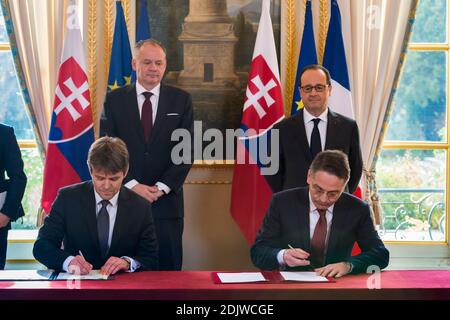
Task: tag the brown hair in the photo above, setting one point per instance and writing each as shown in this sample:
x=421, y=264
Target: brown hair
x=334, y=162
x=315, y=67
x=109, y=155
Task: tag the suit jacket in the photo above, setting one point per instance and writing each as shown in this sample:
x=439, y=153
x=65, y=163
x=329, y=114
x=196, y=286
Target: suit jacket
x=295, y=156
x=73, y=221
x=151, y=162
x=12, y=164
x=287, y=222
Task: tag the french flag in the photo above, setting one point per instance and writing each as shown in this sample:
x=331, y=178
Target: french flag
x=334, y=60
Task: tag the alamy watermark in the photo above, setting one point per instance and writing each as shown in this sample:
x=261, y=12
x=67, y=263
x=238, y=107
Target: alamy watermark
x=255, y=146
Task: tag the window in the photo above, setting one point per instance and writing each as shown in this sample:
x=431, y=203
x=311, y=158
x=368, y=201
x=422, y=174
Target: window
x=412, y=170
x=13, y=113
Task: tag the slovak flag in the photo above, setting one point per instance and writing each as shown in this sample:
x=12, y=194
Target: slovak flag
x=71, y=131
x=263, y=107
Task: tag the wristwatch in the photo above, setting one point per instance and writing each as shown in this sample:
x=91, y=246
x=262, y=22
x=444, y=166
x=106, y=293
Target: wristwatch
x=160, y=189
x=350, y=266
x=129, y=262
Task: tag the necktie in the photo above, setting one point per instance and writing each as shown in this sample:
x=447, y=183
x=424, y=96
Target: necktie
x=316, y=144
x=318, y=239
x=147, y=115
x=103, y=227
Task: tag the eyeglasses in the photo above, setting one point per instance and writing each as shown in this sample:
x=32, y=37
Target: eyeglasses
x=331, y=195
x=318, y=88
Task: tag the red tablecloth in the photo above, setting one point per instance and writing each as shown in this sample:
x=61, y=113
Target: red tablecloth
x=187, y=285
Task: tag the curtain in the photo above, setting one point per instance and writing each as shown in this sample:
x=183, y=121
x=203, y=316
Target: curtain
x=37, y=28
x=376, y=34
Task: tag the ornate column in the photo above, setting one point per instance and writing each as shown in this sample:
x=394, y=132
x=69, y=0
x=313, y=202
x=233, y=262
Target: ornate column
x=208, y=44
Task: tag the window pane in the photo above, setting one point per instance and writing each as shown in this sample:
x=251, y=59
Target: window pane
x=419, y=110
x=431, y=22
x=411, y=185
x=32, y=198
x=3, y=34
x=12, y=109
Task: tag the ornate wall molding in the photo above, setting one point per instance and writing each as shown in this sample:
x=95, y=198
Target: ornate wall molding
x=92, y=58
x=290, y=51
x=323, y=14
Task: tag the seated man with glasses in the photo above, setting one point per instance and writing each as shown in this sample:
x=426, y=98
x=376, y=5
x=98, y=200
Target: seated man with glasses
x=314, y=128
x=315, y=227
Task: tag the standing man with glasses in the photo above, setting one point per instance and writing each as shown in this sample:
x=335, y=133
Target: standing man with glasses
x=316, y=227
x=144, y=115
x=315, y=128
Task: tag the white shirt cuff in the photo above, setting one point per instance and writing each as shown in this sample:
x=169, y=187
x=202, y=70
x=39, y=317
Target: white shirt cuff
x=134, y=264
x=130, y=184
x=66, y=263
x=280, y=257
x=163, y=187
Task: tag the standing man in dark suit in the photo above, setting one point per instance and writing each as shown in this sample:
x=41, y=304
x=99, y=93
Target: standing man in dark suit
x=12, y=189
x=101, y=224
x=144, y=116
x=313, y=129
x=315, y=227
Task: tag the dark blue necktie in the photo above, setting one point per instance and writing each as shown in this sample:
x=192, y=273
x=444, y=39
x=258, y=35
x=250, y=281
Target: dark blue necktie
x=316, y=144
x=103, y=227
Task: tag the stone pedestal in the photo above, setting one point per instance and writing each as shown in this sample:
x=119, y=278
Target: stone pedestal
x=208, y=46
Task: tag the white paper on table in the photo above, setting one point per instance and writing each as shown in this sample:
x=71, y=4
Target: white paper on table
x=305, y=276
x=240, y=277
x=92, y=275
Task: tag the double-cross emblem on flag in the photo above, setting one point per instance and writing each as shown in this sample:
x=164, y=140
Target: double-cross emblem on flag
x=70, y=95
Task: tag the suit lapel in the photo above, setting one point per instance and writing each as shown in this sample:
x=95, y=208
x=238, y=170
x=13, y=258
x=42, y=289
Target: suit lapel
x=160, y=113
x=88, y=209
x=121, y=217
x=332, y=131
x=300, y=135
x=134, y=112
x=302, y=213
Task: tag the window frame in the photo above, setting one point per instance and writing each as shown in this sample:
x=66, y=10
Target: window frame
x=434, y=253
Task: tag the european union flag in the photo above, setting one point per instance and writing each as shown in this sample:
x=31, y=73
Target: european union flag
x=307, y=56
x=120, y=64
x=143, y=29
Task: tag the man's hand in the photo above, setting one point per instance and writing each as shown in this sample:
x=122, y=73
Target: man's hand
x=296, y=257
x=4, y=220
x=79, y=266
x=151, y=193
x=114, y=265
x=336, y=270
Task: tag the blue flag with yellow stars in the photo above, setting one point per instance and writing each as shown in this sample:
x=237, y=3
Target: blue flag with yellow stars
x=307, y=56
x=143, y=29
x=120, y=64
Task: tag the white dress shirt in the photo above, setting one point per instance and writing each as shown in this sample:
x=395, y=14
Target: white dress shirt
x=112, y=213
x=154, y=99
x=313, y=219
x=309, y=126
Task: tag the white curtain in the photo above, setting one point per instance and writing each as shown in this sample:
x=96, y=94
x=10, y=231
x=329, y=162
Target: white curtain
x=38, y=28
x=374, y=34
